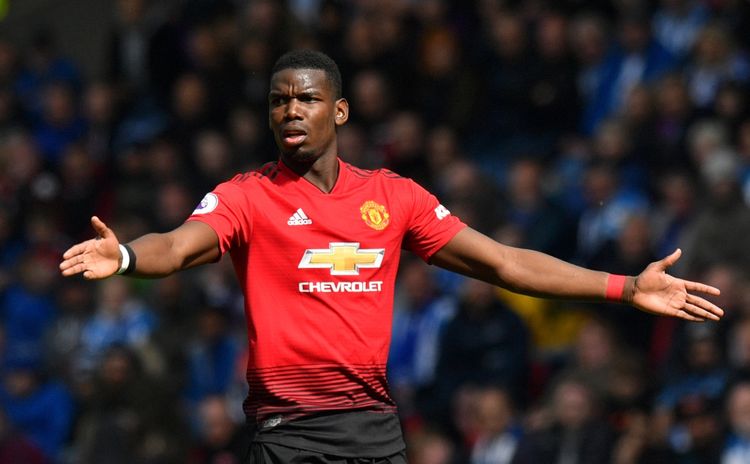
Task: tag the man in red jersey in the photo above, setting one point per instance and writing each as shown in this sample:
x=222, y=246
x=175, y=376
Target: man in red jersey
x=315, y=243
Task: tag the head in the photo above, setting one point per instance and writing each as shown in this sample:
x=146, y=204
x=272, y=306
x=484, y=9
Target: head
x=306, y=107
x=494, y=411
x=738, y=408
x=430, y=446
x=573, y=403
x=596, y=346
x=217, y=426
x=701, y=417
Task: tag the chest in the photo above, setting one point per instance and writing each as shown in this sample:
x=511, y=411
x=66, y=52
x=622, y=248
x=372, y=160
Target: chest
x=369, y=218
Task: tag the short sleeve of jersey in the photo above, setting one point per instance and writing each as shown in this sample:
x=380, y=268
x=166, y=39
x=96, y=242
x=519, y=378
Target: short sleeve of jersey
x=431, y=225
x=227, y=211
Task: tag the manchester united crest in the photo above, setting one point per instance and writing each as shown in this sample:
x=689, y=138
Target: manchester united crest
x=374, y=215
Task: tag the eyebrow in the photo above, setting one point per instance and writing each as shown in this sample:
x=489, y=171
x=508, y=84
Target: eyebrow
x=307, y=93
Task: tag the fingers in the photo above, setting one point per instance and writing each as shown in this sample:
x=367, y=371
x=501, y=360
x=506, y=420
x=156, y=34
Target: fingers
x=87, y=274
x=73, y=258
x=705, y=305
x=688, y=317
x=75, y=250
x=70, y=268
x=669, y=261
x=699, y=287
x=697, y=311
x=101, y=229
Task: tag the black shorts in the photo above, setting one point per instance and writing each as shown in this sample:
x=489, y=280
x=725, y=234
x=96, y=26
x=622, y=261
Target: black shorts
x=346, y=434
x=271, y=453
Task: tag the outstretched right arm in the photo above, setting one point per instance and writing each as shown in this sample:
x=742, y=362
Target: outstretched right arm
x=157, y=255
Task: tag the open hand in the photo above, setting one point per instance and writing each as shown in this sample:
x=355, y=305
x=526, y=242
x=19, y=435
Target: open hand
x=97, y=258
x=657, y=292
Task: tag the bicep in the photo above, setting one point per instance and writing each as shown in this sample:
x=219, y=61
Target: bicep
x=194, y=243
x=472, y=254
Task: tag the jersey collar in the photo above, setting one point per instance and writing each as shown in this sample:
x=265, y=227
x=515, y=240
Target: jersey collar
x=308, y=187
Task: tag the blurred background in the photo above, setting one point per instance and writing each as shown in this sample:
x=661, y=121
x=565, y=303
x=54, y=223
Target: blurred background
x=607, y=133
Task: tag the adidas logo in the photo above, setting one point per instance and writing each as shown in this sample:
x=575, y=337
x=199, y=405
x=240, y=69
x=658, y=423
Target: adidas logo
x=299, y=218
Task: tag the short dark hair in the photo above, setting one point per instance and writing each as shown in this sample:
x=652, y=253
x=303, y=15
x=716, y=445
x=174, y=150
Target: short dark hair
x=311, y=59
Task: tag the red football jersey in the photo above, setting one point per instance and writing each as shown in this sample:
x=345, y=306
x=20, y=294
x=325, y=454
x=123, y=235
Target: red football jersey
x=317, y=271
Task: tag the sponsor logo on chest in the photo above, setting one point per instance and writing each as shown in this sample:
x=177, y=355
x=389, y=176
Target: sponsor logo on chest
x=342, y=259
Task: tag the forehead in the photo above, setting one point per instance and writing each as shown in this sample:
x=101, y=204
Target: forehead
x=300, y=80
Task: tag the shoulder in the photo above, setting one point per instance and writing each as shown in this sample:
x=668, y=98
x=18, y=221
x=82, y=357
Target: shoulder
x=245, y=183
x=381, y=173
x=382, y=178
x=268, y=171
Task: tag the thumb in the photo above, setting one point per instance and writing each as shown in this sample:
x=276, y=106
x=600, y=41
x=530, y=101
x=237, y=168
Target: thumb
x=101, y=229
x=667, y=262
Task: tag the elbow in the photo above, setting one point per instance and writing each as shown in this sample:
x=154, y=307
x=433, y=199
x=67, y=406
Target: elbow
x=507, y=273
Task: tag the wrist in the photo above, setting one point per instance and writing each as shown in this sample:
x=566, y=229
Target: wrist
x=619, y=288
x=127, y=260
x=628, y=292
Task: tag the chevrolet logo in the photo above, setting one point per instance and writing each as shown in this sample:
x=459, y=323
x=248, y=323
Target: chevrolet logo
x=342, y=258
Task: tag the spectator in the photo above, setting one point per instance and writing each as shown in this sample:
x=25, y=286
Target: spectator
x=484, y=344
x=737, y=445
x=212, y=356
x=420, y=315
x=714, y=62
x=80, y=189
x=636, y=58
x=63, y=340
x=698, y=432
x=589, y=43
x=596, y=354
x=59, y=123
x=508, y=78
x=701, y=383
x=609, y=206
x=542, y=223
x=43, y=66
x=612, y=147
x=498, y=435
x=42, y=410
x=127, y=417
x=28, y=308
x=674, y=211
x=428, y=446
x=102, y=112
x=554, y=100
x=677, y=24
x=724, y=220
x=443, y=74
x=674, y=116
x=575, y=432
x=220, y=439
x=405, y=147
x=130, y=50
x=120, y=318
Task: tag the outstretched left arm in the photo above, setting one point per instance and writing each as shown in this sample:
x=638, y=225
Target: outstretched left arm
x=533, y=273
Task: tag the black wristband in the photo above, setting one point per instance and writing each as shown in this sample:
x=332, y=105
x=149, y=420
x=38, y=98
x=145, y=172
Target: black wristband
x=131, y=264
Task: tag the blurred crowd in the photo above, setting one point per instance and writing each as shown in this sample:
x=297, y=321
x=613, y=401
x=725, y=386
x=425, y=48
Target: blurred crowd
x=607, y=133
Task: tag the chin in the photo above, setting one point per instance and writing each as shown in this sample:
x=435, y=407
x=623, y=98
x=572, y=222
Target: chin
x=300, y=156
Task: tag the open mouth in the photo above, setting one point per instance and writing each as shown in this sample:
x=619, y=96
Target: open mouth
x=293, y=136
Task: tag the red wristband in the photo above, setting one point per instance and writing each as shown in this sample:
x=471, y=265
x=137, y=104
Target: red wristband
x=615, y=287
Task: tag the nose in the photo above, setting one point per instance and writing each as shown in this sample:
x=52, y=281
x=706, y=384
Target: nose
x=292, y=109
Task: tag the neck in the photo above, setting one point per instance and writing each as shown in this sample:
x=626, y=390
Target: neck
x=322, y=173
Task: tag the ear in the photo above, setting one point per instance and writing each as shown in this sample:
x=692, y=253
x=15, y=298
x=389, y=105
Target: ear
x=342, y=111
